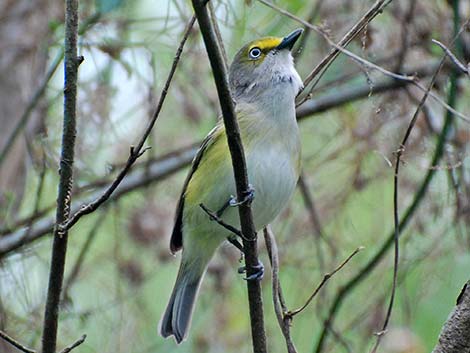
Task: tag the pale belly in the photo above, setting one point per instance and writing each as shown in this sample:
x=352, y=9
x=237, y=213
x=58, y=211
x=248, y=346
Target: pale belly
x=274, y=176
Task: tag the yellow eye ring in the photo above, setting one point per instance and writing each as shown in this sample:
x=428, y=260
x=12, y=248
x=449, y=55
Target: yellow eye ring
x=255, y=53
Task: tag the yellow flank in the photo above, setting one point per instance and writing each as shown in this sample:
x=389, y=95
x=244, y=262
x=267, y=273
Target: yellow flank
x=266, y=44
x=208, y=170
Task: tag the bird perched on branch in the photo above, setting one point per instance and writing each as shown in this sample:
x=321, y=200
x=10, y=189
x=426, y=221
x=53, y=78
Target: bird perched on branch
x=264, y=84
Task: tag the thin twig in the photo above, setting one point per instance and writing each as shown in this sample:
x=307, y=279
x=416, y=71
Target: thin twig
x=213, y=217
x=59, y=246
x=15, y=343
x=396, y=219
x=339, y=96
x=325, y=279
x=239, y=168
x=452, y=57
x=74, y=345
x=278, y=300
x=135, y=152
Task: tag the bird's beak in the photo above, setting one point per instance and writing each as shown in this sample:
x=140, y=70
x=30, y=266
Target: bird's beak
x=289, y=40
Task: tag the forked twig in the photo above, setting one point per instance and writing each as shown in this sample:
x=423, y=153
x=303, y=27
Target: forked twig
x=325, y=279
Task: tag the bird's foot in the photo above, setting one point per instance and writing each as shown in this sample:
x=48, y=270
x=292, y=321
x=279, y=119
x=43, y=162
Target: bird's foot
x=248, y=197
x=258, y=272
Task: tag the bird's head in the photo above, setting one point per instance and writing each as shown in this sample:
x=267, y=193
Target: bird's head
x=264, y=64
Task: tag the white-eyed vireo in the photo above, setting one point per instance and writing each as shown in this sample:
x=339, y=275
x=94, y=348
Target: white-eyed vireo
x=264, y=84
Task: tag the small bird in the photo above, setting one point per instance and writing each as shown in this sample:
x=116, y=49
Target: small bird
x=263, y=84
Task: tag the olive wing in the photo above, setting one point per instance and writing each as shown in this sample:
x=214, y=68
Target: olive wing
x=176, y=242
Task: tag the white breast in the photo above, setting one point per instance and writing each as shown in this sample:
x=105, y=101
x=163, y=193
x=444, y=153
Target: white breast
x=273, y=161
x=273, y=174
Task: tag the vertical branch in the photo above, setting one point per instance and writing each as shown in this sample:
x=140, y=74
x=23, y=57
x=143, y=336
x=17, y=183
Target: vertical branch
x=59, y=247
x=240, y=173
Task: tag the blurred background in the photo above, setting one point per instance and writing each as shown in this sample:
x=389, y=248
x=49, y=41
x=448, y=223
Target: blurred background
x=119, y=268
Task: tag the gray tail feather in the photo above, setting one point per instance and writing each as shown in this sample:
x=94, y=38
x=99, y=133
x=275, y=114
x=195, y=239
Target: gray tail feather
x=177, y=316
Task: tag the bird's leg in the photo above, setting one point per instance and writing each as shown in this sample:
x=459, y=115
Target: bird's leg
x=259, y=269
x=248, y=197
x=258, y=273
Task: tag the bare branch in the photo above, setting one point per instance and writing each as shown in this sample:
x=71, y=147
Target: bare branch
x=213, y=217
x=240, y=172
x=59, y=246
x=15, y=343
x=74, y=345
x=452, y=57
x=325, y=279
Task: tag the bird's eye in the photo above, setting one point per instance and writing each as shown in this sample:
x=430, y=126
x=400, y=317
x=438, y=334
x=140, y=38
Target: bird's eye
x=255, y=53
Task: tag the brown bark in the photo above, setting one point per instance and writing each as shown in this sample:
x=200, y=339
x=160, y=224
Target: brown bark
x=455, y=334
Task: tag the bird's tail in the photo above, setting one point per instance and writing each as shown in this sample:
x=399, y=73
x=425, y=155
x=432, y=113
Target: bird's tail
x=177, y=317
